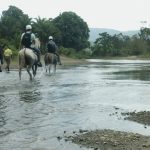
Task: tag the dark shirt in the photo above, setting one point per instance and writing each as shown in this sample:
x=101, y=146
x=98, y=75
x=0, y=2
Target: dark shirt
x=51, y=47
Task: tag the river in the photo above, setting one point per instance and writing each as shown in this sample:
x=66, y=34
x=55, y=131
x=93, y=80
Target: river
x=90, y=96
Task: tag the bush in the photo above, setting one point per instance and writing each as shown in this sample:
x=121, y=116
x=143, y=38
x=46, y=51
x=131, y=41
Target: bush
x=67, y=51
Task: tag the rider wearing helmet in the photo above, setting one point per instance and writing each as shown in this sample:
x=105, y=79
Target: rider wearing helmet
x=52, y=48
x=28, y=41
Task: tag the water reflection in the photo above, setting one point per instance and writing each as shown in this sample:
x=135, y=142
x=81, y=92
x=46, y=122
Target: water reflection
x=30, y=96
x=2, y=111
x=143, y=75
x=30, y=91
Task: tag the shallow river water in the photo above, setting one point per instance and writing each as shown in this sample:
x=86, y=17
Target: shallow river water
x=92, y=96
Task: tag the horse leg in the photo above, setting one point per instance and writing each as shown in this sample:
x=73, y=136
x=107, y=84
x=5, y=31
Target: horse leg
x=34, y=69
x=54, y=68
x=46, y=68
x=28, y=70
x=49, y=67
x=20, y=73
x=20, y=67
x=0, y=69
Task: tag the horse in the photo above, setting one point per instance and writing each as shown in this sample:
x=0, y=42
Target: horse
x=28, y=59
x=7, y=58
x=50, y=59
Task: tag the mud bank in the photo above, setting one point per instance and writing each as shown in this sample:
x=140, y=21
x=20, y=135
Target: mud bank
x=115, y=140
x=66, y=61
x=111, y=140
x=142, y=117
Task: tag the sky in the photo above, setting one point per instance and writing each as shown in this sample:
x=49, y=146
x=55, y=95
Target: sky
x=123, y=15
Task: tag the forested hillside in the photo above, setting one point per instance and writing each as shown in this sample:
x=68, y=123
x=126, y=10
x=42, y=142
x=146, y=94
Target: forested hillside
x=94, y=32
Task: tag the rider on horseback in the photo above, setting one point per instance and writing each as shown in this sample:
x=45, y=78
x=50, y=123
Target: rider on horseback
x=28, y=41
x=52, y=48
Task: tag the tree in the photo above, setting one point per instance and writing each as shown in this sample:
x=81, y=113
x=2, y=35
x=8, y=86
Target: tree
x=74, y=30
x=12, y=23
x=45, y=28
x=103, y=44
x=145, y=36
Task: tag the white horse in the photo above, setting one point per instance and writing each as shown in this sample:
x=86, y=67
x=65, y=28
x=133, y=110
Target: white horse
x=27, y=59
x=50, y=59
x=37, y=43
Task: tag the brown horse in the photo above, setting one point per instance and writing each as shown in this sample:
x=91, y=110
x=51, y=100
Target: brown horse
x=50, y=60
x=27, y=59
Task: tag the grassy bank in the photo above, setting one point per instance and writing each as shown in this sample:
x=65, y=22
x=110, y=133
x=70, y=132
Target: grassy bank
x=72, y=61
x=65, y=61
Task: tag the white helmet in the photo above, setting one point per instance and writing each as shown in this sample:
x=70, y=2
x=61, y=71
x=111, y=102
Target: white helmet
x=50, y=38
x=28, y=27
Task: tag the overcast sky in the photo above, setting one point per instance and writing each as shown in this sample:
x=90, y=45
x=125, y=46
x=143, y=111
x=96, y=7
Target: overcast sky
x=122, y=15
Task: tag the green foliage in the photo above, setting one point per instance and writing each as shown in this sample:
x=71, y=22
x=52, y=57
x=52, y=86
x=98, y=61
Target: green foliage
x=67, y=51
x=12, y=23
x=120, y=45
x=75, y=32
x=70, y=52
x=45, y=28
x=71, y=34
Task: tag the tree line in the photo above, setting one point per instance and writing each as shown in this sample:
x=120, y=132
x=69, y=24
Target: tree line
x=68, y=29
x=122, y=45
x=71, y=33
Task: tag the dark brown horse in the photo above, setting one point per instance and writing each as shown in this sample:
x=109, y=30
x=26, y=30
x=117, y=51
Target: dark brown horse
x=50, y=60
x=27, y=59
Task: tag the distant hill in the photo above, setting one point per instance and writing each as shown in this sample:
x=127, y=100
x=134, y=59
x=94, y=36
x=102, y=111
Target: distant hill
x=94, y=32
